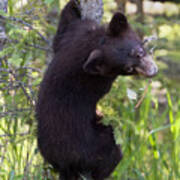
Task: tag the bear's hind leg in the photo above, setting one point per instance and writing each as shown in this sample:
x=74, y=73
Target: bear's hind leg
x=108, y=164
x=69, y=175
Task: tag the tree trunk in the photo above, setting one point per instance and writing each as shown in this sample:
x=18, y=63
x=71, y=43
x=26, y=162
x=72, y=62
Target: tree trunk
x=92, y=9
x=3, y=6
x=140, y=11
x=140, y=16
x=121, y=5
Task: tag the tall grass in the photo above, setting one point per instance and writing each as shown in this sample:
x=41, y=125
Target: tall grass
x=149, y=136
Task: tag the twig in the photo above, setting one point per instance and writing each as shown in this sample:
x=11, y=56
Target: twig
x=144, y=94
x=22, y=87
x=47, y=49
x=149, y=39
x=40, y=47
x=30, y=68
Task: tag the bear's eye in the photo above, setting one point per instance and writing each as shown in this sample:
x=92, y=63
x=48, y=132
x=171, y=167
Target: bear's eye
x=138, y=53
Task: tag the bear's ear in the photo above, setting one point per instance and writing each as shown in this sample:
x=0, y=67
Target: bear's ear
x=118, y=24
x=94, y=64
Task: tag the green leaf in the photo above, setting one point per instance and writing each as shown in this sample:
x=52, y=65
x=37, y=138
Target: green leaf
x=16, y=61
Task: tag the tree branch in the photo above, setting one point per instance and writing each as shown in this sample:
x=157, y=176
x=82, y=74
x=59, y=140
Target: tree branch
x=25, y=24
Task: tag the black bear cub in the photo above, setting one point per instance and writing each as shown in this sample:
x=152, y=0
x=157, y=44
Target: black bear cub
x=88, y=58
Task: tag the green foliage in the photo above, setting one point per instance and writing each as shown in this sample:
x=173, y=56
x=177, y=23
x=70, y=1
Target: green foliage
x=149, y=135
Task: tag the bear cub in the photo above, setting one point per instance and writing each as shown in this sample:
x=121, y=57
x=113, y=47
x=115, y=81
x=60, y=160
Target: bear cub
x=87, y=59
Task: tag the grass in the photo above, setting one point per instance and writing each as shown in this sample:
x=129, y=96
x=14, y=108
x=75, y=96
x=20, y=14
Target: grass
x=149, y=137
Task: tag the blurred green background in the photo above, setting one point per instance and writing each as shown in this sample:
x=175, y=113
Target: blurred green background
x=149, y=135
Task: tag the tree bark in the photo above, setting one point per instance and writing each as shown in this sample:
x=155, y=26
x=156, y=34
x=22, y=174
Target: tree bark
x=3, y=6
x=92, y=9
x=121, y=5
x=140, y=11
x=140, y=16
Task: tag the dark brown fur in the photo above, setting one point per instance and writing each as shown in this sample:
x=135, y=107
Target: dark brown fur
x=70, y=136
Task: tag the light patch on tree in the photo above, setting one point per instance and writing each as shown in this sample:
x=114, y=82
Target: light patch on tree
x=91, y=9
